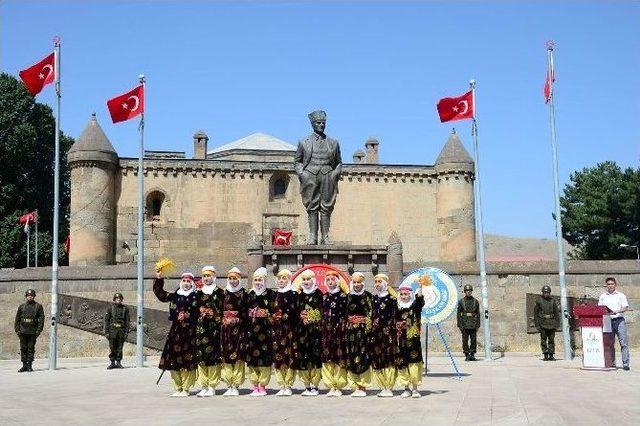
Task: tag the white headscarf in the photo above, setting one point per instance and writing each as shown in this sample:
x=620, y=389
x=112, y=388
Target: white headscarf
x=412, y=298
x=351, y=290
x=239, y=286
x=288, y=287
x=261, y=274
x=209, y=288
x=385, y=285
x=314, y=286
x=335, y=290
x=189, y=277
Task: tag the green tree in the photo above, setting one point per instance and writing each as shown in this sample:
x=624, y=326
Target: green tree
x=27, y=130
x=601, y=210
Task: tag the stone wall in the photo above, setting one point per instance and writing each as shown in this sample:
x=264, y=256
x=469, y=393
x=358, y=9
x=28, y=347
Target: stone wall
x=508, y=284
x=216, y=209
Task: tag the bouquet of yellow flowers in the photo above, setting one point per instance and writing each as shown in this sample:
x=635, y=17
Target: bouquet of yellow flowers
x=412, y=331
x=313, y=315
x=165, y=266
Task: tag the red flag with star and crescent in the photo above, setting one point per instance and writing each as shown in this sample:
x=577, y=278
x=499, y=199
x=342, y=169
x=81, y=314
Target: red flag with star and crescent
x=39, y=75
x=127, y=106
x=458, y=108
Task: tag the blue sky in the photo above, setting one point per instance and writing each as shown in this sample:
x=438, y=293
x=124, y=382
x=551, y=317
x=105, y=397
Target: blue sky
x=378, y=69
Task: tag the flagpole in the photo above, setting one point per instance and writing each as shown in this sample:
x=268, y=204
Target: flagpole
x=28, y=228
x=140, y=305
x=36, y=238
x=53, y=341
x=480, y=230
x=568, y=353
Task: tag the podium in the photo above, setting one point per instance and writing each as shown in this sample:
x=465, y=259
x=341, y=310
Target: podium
x=597, y=338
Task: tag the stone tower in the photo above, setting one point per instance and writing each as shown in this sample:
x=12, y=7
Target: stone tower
x=371, y=148
x=92, y=161
x=200, y=140
x=454, y=202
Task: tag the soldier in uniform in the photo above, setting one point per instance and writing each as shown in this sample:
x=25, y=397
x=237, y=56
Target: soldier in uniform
x=546, y=316
x=468, y=322
x=28, y=325
x=318, y=164
x=116, y=329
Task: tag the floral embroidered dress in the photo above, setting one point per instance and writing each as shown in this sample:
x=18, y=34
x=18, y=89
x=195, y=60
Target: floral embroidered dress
x=307, y=348
x=358, y=333
x=179, y=351
x=283, y=330
x=383, y=331
x=409, y=350
x=233, y=333
x=259, y=344
x=334, y=327
x=208, y=327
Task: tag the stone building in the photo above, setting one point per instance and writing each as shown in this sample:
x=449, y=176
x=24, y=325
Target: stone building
x=213, y=206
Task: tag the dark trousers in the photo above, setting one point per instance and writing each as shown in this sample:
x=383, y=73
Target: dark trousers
x=547, y=340
x=27, y=347
x=469, y=344
x=116, y=342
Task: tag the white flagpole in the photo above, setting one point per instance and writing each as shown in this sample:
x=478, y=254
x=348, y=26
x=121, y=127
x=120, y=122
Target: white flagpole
x=568, y=353
x=480, y=230
x=36, y=238
x=53, y=341
x=27, y=228
x=140, y=305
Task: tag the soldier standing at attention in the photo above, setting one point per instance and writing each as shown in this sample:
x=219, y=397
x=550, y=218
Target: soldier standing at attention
x=545, y=316
x=28, y=325
x=469, y=322
x=116, y=329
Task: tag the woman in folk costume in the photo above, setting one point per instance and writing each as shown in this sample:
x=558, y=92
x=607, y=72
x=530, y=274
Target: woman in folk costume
x=334, y=325
x=259, y=345
x=209, y=298
x=358, y=336
x=283, y=331
x=308, y=346
x=383, y=335
x=179, y=353
x=409, y=350
x=233, y=333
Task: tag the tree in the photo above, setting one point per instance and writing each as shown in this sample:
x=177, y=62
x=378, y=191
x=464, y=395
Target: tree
x=601, y=210
x=27, y=130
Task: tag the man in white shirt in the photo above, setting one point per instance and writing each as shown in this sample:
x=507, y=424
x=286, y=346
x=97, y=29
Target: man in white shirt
x=617, y=304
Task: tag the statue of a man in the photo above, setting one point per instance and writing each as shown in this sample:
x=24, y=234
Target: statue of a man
x=318, y=164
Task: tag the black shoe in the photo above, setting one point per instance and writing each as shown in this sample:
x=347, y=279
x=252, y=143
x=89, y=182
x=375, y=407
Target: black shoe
x=551, y=358
x=111, y=366
x=472, y=358
x=626, y=368
x=24, y=368
x=119, y=364
x=30, y=367
x=467, y=357
x=546, y=357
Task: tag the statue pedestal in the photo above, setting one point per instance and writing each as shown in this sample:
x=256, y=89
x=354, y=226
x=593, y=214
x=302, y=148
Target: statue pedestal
x=370, y=260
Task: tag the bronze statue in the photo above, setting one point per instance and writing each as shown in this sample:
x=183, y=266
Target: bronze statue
x=318, y=165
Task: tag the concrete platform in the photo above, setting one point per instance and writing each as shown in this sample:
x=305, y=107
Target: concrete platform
x=513, y=390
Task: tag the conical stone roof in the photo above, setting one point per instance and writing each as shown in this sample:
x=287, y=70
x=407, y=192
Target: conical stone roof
x=93, y=144
x=454, y=152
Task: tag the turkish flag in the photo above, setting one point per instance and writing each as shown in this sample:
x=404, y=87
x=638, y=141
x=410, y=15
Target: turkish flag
x=548, y=92
x=452, y=109
x=127, y=106
x=281, y=238
x=39, y=75
x=28, y=218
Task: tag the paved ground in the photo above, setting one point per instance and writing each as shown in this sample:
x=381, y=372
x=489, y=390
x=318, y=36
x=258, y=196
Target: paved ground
x=513, y=390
